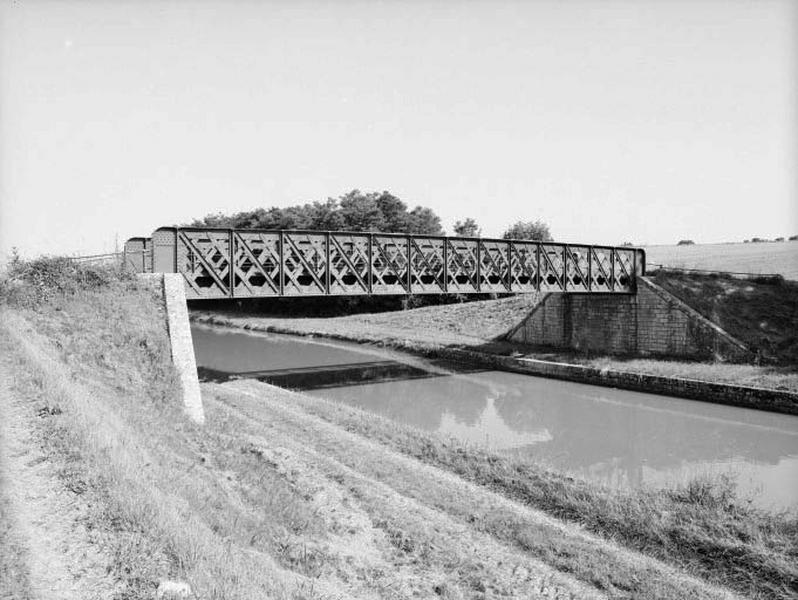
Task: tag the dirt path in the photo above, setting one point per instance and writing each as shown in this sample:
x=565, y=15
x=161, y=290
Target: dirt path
x=403, y=547
x=53, y=552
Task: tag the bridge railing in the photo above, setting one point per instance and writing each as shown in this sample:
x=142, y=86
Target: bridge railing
x=247, y=263
x=106, y=258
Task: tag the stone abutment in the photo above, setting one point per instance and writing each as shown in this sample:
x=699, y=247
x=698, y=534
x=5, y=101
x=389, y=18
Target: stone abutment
x=651, y=322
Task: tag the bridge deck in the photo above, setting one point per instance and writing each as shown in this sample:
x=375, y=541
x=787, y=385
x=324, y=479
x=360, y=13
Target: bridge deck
x=249, y=263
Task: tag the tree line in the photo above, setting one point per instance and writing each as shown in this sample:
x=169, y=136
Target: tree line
x=363, y=211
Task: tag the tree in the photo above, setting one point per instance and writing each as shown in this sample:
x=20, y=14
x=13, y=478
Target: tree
x=686, y=243
x=393, y=210
x=355, y=211
x=424, y=221
x=325, y=216
x=467, y=228
x=212, y=220
x=528, y=230
x=360, y=212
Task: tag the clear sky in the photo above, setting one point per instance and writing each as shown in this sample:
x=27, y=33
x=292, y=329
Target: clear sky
x=641, y=121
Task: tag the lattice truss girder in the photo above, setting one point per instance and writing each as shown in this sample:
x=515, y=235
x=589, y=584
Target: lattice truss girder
x=204, y=259
x=250, y=263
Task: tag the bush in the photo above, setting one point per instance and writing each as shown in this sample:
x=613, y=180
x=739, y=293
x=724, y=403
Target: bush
x=686, y=243
x=29, y=283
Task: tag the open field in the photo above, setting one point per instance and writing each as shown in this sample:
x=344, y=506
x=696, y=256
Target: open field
x=766, y=257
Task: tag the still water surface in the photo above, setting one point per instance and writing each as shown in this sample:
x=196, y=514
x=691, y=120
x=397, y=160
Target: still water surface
x=616, y=437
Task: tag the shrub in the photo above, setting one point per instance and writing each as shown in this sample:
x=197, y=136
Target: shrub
x=29, y=283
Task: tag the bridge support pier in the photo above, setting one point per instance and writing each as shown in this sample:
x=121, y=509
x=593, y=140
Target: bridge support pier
x=651, y=322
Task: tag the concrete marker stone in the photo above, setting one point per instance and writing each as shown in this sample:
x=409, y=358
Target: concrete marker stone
x=182, y=345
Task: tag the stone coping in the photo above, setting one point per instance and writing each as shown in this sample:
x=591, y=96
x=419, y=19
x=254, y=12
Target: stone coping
x=779, y=401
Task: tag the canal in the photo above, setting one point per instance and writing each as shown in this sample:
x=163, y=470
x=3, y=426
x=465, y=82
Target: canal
x=615, y=437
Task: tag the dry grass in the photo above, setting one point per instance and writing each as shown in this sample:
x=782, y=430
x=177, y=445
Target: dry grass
x=466, y=324
x=772, y=377
x=14, y=576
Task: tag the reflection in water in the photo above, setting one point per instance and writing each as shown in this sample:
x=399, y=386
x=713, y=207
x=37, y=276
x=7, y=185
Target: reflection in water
x=614, y=436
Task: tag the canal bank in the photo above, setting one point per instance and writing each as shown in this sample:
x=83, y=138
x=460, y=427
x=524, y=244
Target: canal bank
x=436, y=332
x=285, y=495
x=607, y=436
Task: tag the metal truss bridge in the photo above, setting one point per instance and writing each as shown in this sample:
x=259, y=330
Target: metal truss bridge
x=251, y=263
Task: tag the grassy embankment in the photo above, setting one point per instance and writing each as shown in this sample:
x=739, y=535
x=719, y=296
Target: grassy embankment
x=285, y=496
x=760, y=313
x=763, y=315
x=91, y=370
x=14, y=579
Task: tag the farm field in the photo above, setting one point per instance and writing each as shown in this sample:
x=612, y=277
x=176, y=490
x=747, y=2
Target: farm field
x=765, y=257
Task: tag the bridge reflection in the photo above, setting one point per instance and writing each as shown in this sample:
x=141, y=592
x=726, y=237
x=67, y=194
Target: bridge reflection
x=326, y=376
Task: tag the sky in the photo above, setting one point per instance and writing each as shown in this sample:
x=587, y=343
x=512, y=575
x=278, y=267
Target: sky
x=635, y=121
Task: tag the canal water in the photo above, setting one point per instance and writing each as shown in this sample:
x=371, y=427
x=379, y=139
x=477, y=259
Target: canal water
x=611, y=436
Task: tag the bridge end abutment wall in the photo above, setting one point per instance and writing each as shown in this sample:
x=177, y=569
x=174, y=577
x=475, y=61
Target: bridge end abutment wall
x=651, y=322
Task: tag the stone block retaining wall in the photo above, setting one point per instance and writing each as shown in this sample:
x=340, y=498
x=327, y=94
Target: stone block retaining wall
x=651, y=322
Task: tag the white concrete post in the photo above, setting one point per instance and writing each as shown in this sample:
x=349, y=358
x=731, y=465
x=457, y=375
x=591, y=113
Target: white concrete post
x=182, y=346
